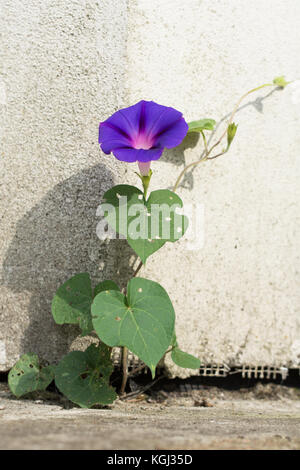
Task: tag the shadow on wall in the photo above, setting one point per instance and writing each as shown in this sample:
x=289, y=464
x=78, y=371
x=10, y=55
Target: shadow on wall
x=55, y=240
x=176, y=156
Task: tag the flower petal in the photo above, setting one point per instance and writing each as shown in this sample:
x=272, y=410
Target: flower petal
x=111, y=136
x=108, y=146
x=157, y=117
x=127, y=120
x=131, y=118
x=140, y=132
x=140, y=155
x=173, y=135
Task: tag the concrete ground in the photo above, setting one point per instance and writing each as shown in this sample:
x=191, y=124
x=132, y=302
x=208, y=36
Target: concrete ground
x=266, y=417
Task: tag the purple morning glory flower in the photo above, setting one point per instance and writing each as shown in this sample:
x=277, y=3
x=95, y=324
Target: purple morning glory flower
x=141, y=132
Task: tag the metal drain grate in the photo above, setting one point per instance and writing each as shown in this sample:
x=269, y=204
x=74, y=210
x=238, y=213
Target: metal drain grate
x=263, y=372
x=214, y=370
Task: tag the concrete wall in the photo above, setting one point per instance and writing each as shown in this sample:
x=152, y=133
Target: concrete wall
x=62, y=70
x=67, y=66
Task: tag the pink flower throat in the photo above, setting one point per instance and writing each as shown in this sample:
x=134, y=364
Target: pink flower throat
x=142, y=141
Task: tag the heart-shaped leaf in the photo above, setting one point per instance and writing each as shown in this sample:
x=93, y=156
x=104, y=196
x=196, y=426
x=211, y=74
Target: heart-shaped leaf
x=83, y=377
x=116, y=204
x=72, y=303
x=143, y=321
x=27, y=375
x=147, y=225
x=201, y=125
x=185, y=360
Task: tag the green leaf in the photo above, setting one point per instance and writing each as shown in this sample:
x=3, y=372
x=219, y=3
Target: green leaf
x=105, y=285
x=185, y=360
x=27, y=375
x=121, y=198
x=143, y=321
x=201, y=125
x=147, y=225
x=280, y=81
x=72, y=303
x=181, y=358
x=83, y=377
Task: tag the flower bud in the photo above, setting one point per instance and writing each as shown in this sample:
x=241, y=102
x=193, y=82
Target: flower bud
x=280, y=81
x=231, y=130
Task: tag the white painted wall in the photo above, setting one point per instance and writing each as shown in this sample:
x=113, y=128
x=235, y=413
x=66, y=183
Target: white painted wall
x=237, y=298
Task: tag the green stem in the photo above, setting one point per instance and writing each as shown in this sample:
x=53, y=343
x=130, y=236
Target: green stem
x=205, y=142
x=138, y=269
x=145, y=181
x=235, y=110
x=125, y=369
x=207, y=151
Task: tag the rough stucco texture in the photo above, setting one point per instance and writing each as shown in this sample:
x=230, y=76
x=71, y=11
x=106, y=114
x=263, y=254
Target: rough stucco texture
x=62, y=71
x=64, y=67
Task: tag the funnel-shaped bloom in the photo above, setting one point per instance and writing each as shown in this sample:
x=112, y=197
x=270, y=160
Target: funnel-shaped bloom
x=142, y=131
